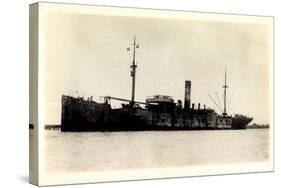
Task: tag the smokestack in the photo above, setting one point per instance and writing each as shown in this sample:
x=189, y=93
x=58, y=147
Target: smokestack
x=204, y=106
x=193, y=106
x=187, y=95
x=198, y=106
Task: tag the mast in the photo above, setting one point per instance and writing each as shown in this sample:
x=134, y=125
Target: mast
x=224, y=95
x=133, y=71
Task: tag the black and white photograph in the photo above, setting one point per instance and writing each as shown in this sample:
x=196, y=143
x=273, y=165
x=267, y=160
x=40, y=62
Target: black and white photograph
x=143, y=93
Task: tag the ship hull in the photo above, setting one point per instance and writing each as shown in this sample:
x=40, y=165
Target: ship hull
x=79, y=115
x=240, y=122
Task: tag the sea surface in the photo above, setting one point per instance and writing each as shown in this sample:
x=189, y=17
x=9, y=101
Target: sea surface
x=80, y=152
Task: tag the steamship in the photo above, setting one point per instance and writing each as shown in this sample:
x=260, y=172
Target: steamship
x=158, y=112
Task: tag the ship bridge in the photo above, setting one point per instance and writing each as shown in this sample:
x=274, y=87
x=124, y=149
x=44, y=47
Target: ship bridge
x=160, y=103
x=159, y=99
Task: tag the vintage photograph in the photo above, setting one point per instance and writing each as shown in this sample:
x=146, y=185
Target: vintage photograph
x=131, y=89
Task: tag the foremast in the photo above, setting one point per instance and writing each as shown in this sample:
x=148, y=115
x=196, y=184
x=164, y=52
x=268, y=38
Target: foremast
x=133, y=71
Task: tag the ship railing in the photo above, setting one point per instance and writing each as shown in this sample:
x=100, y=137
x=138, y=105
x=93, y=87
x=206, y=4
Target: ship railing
x=84, y=96
x=159, y=98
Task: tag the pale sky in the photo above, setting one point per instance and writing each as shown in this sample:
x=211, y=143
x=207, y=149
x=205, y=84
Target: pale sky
x=87, y=53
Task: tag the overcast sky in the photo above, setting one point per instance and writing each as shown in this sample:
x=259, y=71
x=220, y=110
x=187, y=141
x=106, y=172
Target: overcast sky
x=87, y=53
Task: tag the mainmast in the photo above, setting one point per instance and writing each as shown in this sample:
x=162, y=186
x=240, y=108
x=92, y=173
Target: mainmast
x=133, y=71
x=224, y=96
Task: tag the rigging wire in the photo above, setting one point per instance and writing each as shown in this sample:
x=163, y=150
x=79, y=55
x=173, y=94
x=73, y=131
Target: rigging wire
x=219, y=102
x=215, y=102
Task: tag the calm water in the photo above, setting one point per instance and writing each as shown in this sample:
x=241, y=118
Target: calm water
x=76, y=152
